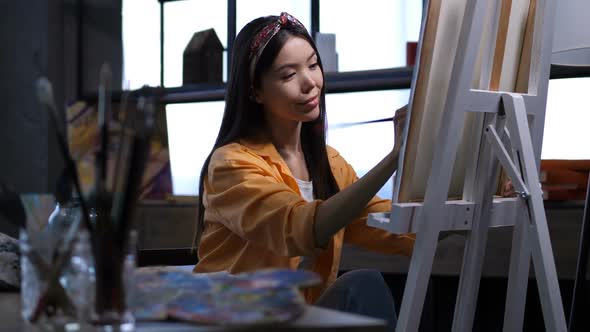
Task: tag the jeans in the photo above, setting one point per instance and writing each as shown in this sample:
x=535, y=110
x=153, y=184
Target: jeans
x=362, y=292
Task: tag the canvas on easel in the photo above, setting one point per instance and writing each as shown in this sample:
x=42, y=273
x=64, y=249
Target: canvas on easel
x=478, y=101
x=430, y=86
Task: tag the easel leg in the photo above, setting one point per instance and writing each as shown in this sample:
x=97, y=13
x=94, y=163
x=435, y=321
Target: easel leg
x=581, y=268
x=418, y=277
x=543, y=261
x=476, y=241
x=518, y=276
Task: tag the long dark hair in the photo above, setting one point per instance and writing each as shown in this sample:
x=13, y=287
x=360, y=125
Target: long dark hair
x=243, y=117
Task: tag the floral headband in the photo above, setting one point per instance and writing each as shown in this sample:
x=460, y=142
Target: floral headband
x=266, y=34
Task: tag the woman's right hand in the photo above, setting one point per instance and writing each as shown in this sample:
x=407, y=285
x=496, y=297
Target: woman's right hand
x=339, y=210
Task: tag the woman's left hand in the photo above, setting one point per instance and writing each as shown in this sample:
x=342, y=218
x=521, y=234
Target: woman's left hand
x=508, y=189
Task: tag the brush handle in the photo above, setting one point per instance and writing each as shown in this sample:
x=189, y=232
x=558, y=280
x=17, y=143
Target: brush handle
x=70, y=164
x=104, y=116
x=139, y=160
x=350, y=124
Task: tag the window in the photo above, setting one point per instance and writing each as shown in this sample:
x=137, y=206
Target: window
x=247, y=10
x=141, y=37
x=181, y=20
x=192, y=130
x=566, y=134
x=375, y=39
x=371, y=37
x=141, y=43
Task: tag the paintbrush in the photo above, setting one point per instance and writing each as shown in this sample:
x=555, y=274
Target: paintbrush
x=111, y=249
x=64, y=249
x=45, y=95
x=123, y=164
x=140, y=150
x=104, y=117
x=124, y=156
x=121, y=147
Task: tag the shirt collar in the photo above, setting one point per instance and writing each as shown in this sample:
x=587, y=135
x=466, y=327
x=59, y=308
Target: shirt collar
x=262, y=145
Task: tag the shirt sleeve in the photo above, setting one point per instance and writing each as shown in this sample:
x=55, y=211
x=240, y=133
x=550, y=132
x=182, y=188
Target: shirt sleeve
x=371, y=238
x=246, y=197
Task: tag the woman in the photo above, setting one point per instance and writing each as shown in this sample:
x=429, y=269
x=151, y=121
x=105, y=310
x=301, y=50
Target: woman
x=272, y=193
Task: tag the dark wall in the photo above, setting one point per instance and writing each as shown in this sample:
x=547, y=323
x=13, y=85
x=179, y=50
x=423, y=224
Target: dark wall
x=102, y=42
x=42, y=37
x=66, y=41
x=28, y=45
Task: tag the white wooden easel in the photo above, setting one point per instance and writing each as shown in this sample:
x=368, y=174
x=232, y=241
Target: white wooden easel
x=506, y=138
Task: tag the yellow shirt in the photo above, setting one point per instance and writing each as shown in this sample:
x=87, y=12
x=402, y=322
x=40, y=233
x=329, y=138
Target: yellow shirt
x=255, y=216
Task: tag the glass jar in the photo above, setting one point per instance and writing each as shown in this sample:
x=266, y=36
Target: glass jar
x=57, y=284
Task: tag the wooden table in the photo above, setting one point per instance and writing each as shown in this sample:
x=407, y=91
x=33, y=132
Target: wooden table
x=313, y=319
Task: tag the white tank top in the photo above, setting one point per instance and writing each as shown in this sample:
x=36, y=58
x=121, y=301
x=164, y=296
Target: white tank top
x=306, y=189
